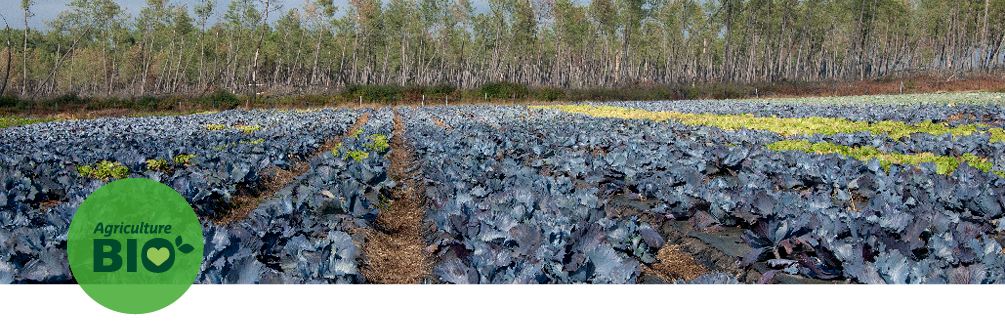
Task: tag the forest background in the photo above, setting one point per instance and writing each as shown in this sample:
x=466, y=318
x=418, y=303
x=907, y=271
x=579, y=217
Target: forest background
x=210, y=54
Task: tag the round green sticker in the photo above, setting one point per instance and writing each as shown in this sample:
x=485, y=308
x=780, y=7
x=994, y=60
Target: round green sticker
x=135, y=246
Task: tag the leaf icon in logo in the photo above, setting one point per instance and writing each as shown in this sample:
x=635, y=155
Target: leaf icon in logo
x=183, y=248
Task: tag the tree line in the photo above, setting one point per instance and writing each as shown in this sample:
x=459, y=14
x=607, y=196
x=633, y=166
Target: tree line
x=95, y=49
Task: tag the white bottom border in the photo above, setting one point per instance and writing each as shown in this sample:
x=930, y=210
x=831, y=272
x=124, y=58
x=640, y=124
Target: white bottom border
x=523, y=303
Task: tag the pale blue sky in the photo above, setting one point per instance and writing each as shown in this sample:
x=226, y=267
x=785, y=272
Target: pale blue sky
x=49, y=9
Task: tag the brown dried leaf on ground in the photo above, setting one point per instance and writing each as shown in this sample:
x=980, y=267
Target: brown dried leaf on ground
x=439, y=123
x=674, y=264
x=48, y=204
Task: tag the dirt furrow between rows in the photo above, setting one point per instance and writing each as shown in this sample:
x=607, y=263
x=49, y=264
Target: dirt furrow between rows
x=395, y=252
x=275, y=178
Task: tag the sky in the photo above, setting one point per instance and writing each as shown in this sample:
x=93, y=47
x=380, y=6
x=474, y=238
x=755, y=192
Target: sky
x=46, y=10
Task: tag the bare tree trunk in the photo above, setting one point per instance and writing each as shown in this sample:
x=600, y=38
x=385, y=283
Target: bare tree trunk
x=68, y=52
x=72, y=47
x=387, y=54
x=317, y=52
x=175, y=75
x=180, y=71
x=202, y=53
x=115, y=65
x=802, y=42
x=165, y=74
x=148, y=58
x=403, y=67
x=104, y=63
x=24, y=56
x=727, y=73
x=55, y=83
x=984, y=38
x=6, y=76
x=232, y=58
x=216, y=61
x=258, y=47
x=296, y=63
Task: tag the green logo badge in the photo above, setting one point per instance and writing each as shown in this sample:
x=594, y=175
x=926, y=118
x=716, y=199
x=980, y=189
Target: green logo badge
x=135, y=246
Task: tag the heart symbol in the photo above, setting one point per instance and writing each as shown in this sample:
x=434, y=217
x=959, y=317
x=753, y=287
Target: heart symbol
x=158, y=255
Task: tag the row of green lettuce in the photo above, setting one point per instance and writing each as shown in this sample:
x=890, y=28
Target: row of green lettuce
x=817, y=125
x=943, y=164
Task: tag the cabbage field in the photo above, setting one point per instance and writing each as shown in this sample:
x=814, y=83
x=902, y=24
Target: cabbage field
x=705, y=192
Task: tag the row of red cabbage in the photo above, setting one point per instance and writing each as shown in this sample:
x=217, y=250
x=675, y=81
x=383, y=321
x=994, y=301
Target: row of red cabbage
x=522, y=195
x=40, y=187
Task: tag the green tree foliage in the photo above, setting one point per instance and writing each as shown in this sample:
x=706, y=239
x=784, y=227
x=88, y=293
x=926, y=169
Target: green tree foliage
x=95, y=49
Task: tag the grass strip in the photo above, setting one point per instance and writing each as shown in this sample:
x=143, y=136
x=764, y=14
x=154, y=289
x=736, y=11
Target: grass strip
x=6, y=122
